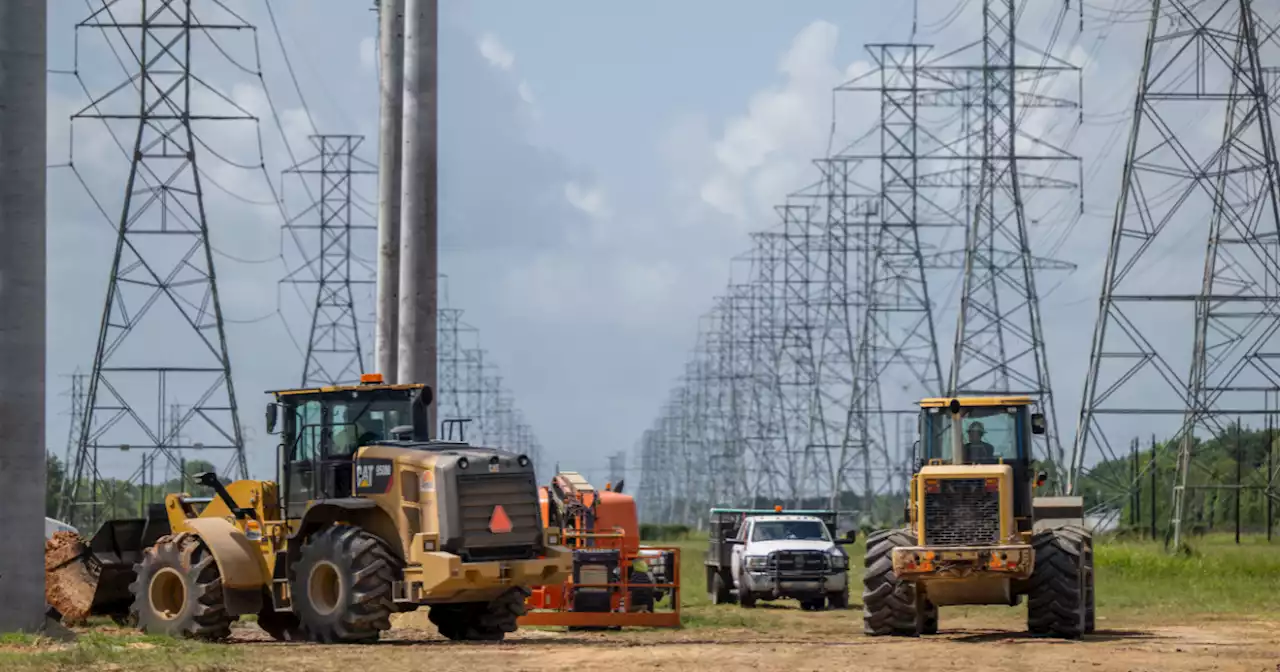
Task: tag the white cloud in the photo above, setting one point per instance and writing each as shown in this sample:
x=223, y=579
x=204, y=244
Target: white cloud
x=761, y=154
x=494, y=51
x=526, y=92
x=590, y=200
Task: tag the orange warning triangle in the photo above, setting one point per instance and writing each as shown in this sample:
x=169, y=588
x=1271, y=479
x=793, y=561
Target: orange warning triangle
x=499, y=523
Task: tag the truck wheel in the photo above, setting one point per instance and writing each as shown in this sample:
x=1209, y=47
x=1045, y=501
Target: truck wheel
x=838, y=600
x=342, y=586
x=1057, y=593
x=480, y=621
x=718, y=589
x=747, y=599
x=888, y=605
x=178, y=591
x=813, y=604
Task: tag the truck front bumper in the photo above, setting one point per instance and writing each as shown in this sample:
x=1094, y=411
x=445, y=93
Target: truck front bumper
x=800, y=585
x=1014, y=561
x=444, y=577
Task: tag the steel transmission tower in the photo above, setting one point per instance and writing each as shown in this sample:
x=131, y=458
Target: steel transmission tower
x=1185, y=182
x=161, y=339
x=334, y=351
x=999, y=342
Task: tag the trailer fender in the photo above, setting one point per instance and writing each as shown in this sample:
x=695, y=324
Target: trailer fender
x=240, y=563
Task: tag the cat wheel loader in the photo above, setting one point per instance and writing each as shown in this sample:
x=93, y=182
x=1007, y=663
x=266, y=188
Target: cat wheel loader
x=367, y=517
x=975, y=533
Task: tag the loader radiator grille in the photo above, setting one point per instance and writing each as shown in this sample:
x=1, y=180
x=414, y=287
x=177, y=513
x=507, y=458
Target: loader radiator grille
x=478, y=495
x=961, y=513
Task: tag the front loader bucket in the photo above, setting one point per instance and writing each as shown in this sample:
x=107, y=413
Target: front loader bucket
x=87, y=581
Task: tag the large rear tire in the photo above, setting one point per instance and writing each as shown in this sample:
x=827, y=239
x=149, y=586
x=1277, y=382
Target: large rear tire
x=1058, y=593
x=481, y=621
x=178, y=591
x=889, y=606
x=342, y=586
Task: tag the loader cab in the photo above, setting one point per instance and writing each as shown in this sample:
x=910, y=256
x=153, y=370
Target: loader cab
x=322, y=428
x=983, y=430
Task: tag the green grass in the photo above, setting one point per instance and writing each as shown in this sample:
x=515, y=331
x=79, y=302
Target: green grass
x=104, y=651
x=1135, y=580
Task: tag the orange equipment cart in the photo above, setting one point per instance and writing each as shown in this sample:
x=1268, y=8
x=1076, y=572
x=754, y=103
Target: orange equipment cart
x=615, y=581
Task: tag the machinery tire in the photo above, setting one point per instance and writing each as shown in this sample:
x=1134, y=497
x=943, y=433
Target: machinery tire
x=838, y=600
x=481, y=621
x=283, y=626
x=1084, y=537
x=928, y=615
x=342, y=586
x=178, y=591
x=888, y=605
x=719, y=588
x=1057, y=595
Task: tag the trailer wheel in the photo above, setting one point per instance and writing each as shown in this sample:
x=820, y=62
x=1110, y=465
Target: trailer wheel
x=888, y=605
x=480, y=621
x=342, y=586
x=178, y=591
x=1058, y=594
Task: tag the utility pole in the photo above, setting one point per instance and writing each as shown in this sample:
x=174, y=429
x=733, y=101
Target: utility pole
x=23, y=61
x=418, y=304
x=391, y=78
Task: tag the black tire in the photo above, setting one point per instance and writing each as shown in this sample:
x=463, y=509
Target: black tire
x=178, y=591
x=928, y=615
x=125, y=620
x=838, y=600
x=746, y=598
x=341, y=586
x=718, y=589
x=481, y=621
x=814, y=603
x=1085, y=537
x=888, y=605
x=1057, y=595
x=283, y=626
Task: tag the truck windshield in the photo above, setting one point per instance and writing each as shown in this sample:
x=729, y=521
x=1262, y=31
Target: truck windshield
x=771, y=530
x=989, y=434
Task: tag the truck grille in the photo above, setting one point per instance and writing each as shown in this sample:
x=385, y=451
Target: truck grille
x=961, y=513
x=478, y=494
x=797, y=561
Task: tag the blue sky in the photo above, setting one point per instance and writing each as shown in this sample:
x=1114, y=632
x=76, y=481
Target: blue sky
x=600, y=165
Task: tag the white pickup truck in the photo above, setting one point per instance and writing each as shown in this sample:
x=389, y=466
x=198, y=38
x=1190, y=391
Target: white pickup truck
x=777, y=554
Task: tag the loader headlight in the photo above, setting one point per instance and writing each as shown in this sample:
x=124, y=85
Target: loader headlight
x=757, y=561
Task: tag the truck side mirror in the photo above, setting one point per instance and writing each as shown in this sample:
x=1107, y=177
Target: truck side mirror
x=273, y=414
x=849, y=537
x=1037, y=423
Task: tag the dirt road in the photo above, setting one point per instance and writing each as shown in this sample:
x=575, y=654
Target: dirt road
x=824, y=642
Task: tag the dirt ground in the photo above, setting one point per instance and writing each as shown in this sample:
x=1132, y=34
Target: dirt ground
x=823, y=642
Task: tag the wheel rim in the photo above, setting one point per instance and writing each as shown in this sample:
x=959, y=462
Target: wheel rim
x=168, y=593
x=324, y=587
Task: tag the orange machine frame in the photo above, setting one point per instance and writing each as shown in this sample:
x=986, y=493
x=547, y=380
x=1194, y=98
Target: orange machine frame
x=549, y=605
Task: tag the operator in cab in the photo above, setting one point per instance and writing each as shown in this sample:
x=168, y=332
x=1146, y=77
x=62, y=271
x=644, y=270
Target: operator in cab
x=975, y=449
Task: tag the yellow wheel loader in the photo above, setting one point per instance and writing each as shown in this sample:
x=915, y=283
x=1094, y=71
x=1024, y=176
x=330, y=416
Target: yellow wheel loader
x=367, y=517
x=975, y=533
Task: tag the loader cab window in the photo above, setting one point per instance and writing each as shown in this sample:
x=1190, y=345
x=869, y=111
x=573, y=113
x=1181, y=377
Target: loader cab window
x=989, y=434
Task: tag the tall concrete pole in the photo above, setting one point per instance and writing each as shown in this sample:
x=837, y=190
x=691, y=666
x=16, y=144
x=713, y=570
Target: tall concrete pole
x=418, y=269
x=22, y=313
x=391, y=55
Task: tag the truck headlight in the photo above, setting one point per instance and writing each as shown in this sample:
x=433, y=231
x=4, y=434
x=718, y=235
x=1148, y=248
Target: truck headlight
x=757, y=561
x=838, y=559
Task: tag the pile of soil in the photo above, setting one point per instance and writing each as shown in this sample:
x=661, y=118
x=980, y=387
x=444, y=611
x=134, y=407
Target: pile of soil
x=68, y=583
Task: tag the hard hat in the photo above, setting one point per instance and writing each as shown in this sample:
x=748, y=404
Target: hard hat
x=639, y=565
